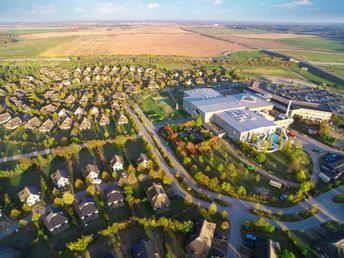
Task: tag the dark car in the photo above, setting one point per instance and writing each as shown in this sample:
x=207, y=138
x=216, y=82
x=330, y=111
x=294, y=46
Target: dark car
x=251, y=237
x=312, y=193
x=283, y=197
x=222, y=236
x=249, y=243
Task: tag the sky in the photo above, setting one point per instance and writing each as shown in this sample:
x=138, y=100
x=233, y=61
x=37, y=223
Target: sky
x=296, y=11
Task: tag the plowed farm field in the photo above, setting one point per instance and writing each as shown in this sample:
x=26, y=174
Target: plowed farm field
x=135, y=41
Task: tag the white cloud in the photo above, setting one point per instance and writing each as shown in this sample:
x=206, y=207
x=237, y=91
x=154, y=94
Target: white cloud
x=153, y=5
x=217, y=2
x=294, y=4
x=43, y=10
x=78, y=10
x=110, y=8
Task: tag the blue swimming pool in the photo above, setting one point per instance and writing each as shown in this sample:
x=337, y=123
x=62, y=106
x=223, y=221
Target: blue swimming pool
x=274, y=137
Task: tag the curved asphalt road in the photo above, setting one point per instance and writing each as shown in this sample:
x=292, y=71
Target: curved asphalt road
x=238, y=209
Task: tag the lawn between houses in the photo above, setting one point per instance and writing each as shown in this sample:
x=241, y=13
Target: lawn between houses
x=165, y=241
x=100, y=154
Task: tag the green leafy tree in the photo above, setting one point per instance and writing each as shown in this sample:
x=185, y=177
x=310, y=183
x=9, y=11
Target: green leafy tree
x=242, y=190
x=212, y=209
x=79, y=184
x=199, y=120
x=68, y=198
x=225, y=225
x=80, y=244
x=301, y=176
x=260, y=157
x=287, y=254
x=15, y=213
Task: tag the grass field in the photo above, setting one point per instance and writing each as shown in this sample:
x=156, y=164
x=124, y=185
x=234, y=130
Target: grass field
x=224, y=30
x=23, y=31
x=311, y=77
x=247, y=54
x=260, y=71
x=316, y=56
x=160, y=106
x=337, y=69
x=279, y=163
x=315, y=43
x=31, y=48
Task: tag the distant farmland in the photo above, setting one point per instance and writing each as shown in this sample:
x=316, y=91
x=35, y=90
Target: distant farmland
x=118, y=41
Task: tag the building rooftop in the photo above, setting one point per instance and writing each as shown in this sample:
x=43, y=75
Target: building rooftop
x=203, y=93
x=230, y=102
x=244, y=120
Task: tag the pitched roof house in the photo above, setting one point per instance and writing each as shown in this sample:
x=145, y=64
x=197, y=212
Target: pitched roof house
x=66, y=124
x=55, y=221
x=114, y=197
x=84, y=100
x=60, y=178
x=264, y=248
x=33, y=123
x=4, y=118
x=158, y=198
x=94, y=110
x=85, y=124
x=144, y=248
x=104, y=120
x=13, y=123
x=29, y=195
x=79, y=111
x=91, y=171
x=120, y=118
x=115, y=105
x=86, y=209
x=201, y=239
x=117, y=162
x=49, y=108
x=63, y=113
x=143, y=160
x=70, y=99
x=47, y=126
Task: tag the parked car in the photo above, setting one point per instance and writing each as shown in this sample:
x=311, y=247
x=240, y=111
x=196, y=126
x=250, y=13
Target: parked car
x=283, y=197
x=222, y=236
x=249, y=243
x=312, y=193
x=251, y=237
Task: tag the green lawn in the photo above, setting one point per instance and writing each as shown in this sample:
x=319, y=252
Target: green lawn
x=316, y=57
x=279, y=163
x=134, y=148
x=312, y=77
x=12, y=148
x=30, y=48
x=30, y=30
x=261, y=71
x=337, y=69
x=315, y=43
x=161, y=106
x=247, y=54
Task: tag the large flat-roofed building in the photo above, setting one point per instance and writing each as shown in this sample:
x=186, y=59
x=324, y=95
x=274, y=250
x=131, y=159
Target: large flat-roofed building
x=240, y=115
x=306, y=110
x=210, y=102
x=242, y=124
